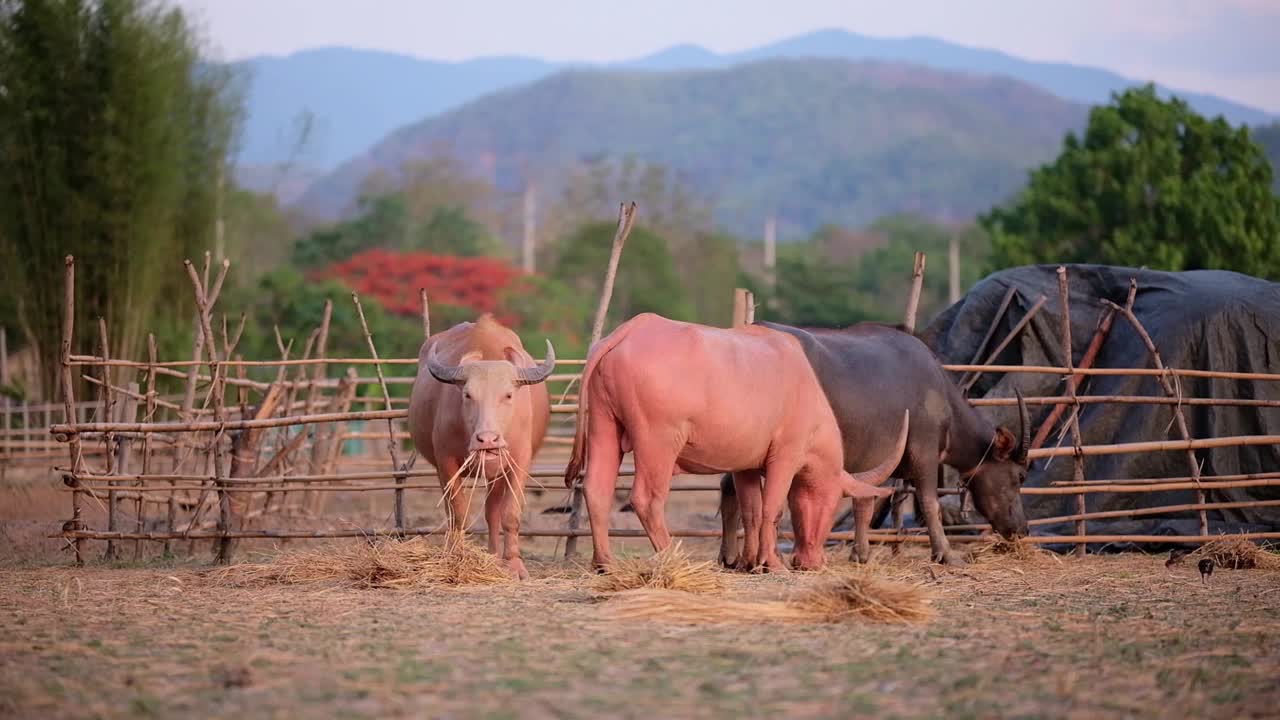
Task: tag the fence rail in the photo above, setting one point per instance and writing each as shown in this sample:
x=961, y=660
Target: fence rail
x=228, y=447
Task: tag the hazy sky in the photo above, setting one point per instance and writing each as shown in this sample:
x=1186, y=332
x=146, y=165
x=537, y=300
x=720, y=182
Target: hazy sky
x=1229, y=48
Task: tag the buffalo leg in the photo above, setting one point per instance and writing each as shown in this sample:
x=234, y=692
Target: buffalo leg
x=604, y=455
x=494, y=500
x=863, y=508
x=511, y=516
x=807, y=518
x=748, y=486
x=731, y=522
x=649, y=492
x=926, y=482
x=777, y=485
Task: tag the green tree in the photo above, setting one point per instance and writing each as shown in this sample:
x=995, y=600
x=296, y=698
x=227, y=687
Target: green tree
x=285, y=299
x=451, y=231
x=383, y=222
x=113, y=143
x=1149, y=183
x=647, y=279
x=1268, y=136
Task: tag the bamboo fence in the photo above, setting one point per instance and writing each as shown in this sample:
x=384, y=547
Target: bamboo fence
x=227, y=453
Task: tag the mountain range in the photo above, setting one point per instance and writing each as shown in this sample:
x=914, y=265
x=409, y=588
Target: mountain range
x=356, y=97
x=816, y=141
x=827, y=127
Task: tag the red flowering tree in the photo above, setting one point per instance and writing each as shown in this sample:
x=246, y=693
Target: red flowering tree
x=476, y=284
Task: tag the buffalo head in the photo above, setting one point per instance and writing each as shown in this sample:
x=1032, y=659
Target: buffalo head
x=489, y=391
x=997, y=482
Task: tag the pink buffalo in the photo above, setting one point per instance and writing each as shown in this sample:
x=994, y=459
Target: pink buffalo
x=702, y=400
x=482, y=400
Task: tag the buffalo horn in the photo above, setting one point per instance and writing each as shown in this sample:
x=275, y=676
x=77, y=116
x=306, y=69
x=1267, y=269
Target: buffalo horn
x=452, y=374
x=1024, y=427
x=535, y=375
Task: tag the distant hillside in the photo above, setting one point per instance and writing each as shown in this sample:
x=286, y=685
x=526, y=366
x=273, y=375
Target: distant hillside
x=819, y=140
x=356, y=97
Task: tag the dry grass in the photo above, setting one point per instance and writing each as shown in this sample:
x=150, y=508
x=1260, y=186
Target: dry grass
x=384, y=563
x=997, y=548
x=671, y=569
x=863, y=595
x=837, y=597
x=1237, y=554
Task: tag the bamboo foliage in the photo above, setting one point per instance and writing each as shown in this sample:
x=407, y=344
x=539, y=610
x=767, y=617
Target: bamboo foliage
x=112, y=138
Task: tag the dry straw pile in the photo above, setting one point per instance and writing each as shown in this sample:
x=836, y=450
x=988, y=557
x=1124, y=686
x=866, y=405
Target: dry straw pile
x=1237, y=554
x=838, y=598
x=997, y=548
x=671, y=569
x=383, y=563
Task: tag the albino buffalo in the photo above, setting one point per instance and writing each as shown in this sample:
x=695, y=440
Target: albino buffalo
x=482, y=403
x=705, y=400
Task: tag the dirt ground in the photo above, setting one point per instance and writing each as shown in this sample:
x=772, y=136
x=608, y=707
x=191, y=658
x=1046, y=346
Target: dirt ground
x=1107, y=636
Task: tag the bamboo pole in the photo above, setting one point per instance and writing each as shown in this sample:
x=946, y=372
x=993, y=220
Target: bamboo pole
x=69, y=395
x=1077, y=461
x=1206, y=480
x=5, y=405
x=129, y=409
x=637, y=533
x=995, y=323
x=898, y=501
x=978, y=370
x=215, y=371
x=1169, y=389
x=392, y=446
x=626, y=219
x=146, y=439
x=426, y=313
x=1091, y=353
x=106, y=413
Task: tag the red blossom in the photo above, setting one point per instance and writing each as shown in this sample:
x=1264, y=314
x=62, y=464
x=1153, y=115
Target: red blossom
x=394, y=278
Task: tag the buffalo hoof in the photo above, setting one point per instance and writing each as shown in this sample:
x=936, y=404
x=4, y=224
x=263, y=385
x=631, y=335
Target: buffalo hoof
x=516, y=567
x=772, y=566
x=951, y=558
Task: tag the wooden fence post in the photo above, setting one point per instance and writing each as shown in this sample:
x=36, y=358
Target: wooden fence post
x=899, y=498
x=1077, y=461
x=69, y=399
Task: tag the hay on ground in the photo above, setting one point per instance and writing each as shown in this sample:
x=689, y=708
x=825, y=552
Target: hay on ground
x=383, y=563
x=998, y=548
x=671, y=569
x=1237, y=554
x=864, y=595
x=843, y=597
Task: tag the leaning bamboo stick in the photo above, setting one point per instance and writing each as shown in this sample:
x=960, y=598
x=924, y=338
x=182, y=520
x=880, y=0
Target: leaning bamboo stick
x=626, y=218
x=216, y=371
x=1159, y=446
x=1169, y=389
x=978, y=370
x=393, y=447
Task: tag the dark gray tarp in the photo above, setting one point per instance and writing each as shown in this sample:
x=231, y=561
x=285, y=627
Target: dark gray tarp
x=1207, y=320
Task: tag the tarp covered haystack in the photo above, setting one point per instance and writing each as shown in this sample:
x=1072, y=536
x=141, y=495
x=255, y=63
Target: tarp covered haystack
x=1204, y=320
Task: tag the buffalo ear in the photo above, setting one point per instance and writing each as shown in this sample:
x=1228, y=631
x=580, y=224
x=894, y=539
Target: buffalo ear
x=1004, y=444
